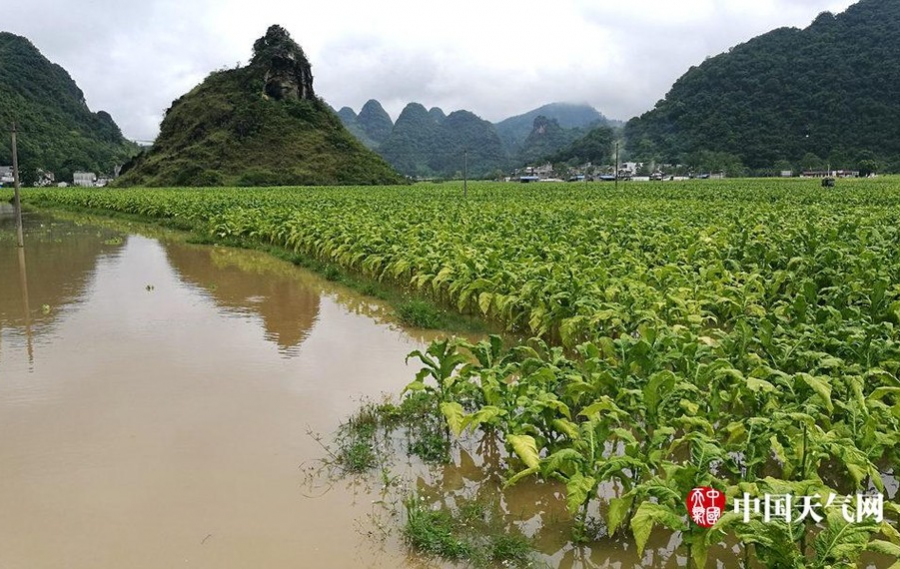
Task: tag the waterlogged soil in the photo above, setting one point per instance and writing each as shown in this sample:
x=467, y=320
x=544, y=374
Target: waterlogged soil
x=160, y=404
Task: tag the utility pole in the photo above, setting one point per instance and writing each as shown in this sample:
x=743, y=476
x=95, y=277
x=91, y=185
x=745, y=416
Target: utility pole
x=465, y=173
x=617, y=166
x=18, y=202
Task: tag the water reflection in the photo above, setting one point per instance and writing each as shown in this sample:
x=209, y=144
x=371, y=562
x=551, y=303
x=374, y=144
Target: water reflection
x=23, y=284
x=161, y=415
x=52, y=271
x=288, y=309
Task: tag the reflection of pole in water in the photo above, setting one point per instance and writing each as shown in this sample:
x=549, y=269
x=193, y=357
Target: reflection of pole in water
x=15, y=158
x=23, y=282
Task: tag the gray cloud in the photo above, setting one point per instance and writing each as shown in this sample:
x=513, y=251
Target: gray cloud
x=496, y=59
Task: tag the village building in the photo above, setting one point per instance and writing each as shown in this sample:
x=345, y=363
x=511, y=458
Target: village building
x=84, y=179
x=6, y=175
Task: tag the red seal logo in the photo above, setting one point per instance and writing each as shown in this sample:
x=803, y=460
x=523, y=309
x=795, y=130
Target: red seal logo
x=705, y=505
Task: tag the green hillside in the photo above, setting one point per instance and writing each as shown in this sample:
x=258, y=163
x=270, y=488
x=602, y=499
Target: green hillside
x=595, y=147
x=257, y=125
x=828, y=94
x=412, y=141
x=546, y=138
x=351, y=122
x=375, y=121
x=57, y=130
x=515, y=130
x=463, y=132
x=428, y=144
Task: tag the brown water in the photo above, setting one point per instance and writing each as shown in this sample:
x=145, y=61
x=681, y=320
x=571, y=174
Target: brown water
x=165, y=427
x=157, y=401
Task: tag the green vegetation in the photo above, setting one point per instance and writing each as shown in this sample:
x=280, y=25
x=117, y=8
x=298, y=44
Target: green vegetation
x=58, y=133
x=424, y=144
x=515, y=131
x=420, y=314
x=259, y=125
x=371, y=127
x=739, y=334
x=595, y=147
x=349, y=120
x=469, y=533
x=546, y=138
x=812, y=97
x=375, y=121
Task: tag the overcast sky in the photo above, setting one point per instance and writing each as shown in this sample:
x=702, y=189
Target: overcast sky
x=496, y=58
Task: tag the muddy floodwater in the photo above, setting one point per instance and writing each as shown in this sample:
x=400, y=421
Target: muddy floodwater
x=156, y=400
x=159, y=403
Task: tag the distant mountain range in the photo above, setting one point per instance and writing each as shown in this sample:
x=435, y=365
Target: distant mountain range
x=59, y=133
x=429, y=143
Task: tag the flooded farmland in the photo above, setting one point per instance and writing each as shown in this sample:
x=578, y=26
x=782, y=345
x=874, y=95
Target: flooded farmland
x=156, y=400
x=159, y=403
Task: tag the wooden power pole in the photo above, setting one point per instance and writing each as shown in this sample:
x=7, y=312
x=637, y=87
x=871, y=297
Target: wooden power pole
x=465, y=173
x=18, y=202
x=617, y=165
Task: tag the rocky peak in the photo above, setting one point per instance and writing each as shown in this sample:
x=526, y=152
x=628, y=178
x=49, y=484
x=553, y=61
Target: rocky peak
x=287, y=72
x=542, y=124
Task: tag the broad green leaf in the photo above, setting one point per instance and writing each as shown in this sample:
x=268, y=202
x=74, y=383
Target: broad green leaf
x=525, y=448
x=455, y=415
x=821, y=386
x=700, y=550
x=484, y=302
x=618, y=510
x=483, y=415
x=578, y=489
x=884, y=548
x=567, y=428
x=555, y=461
x=649, y=514
x=521, y=475
x=759, y=385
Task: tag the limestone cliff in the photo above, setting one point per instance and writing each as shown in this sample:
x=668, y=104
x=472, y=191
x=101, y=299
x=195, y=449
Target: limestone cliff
x=287, y=73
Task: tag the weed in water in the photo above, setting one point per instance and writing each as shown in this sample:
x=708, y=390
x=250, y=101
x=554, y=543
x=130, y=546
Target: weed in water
x=357, y=439
x=420, y=314
x=358, y=455
x=429, y=442
x=473, y=532
x=431, y=531
x=511, y=550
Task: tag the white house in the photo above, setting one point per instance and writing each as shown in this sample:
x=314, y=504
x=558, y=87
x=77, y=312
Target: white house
x=84, y=179
x=6, y=175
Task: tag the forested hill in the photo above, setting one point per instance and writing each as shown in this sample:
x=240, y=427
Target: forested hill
x=259, y=125
x=429, y=144
x=827, y=94
x=515, y=131
x=58, y=132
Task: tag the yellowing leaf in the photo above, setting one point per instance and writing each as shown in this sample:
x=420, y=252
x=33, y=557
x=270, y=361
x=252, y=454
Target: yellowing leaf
x=618, y=509
x=649, y=514
x=455, y=415
x=578, y=489
x=821, y=386
x=525, y=448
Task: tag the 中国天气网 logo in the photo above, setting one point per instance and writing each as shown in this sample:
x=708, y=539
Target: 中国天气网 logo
x=706, y=506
